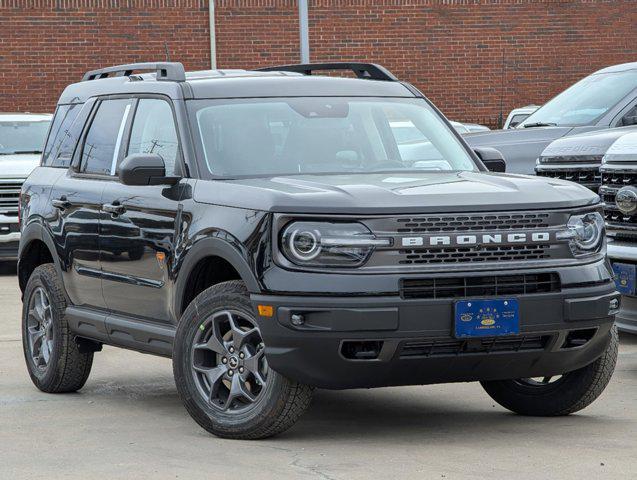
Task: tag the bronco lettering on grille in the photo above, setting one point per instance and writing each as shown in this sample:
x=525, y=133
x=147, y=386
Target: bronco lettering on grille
x=482, y=239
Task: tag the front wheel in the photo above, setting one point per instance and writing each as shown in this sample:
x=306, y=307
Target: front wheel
x=557, y=395
x=221, y=371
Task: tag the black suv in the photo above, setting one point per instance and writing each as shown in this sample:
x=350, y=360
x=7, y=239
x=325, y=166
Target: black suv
x=274, y=231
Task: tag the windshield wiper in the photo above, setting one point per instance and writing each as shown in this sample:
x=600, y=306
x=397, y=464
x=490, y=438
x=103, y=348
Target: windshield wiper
x=540, y=124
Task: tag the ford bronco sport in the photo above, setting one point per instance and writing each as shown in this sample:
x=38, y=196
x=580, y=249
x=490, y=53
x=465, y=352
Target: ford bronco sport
x=271, y=232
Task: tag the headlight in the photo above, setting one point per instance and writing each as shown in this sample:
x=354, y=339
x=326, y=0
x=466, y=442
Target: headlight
x=329, y=244
x=585, y=233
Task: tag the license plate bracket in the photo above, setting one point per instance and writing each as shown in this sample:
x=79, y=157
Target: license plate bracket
x=487, y=317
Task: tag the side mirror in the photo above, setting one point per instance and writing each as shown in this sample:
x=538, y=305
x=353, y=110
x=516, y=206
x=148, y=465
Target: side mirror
x=492, y=159
x=145, y=169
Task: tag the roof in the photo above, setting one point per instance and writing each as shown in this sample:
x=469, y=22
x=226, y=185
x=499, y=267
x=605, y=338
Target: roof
x=235, y=84
x=618, y=68
x=25, y=117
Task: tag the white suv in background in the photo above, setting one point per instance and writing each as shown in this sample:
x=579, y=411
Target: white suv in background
x=22, y=137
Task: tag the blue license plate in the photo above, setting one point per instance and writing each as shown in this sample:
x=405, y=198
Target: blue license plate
x=624, y=278
x=487, y=318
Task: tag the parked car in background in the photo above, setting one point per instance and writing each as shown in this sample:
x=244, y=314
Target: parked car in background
x=619, y=194
x=577, y=158
x=518, y=115
x=605, y=99
x=476, y=127
x=22, y=137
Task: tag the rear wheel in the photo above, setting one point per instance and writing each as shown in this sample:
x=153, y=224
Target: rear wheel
x=52, y=355
x=221, y=371
x=561, y=394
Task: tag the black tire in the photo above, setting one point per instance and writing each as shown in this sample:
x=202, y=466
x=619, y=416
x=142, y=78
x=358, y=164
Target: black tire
x=569, y=394
x=278, y=405
x=67, y=369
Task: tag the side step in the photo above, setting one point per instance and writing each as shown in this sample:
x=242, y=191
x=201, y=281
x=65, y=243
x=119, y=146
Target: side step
x=121, y=331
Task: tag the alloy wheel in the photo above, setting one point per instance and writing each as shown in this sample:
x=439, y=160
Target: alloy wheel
x=228, y=362
x=40, y=328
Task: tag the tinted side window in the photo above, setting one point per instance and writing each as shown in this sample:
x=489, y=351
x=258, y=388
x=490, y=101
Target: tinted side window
x=154, y=132
x=71, y=136
x=103, y=140
x=629, y=118
x=58, y=119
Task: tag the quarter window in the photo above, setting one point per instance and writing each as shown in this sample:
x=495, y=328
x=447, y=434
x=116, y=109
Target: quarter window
x=154, y=132
x=104, y=138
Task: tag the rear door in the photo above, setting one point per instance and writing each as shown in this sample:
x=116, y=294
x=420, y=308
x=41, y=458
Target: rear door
x=77, y=196
x=140, y=223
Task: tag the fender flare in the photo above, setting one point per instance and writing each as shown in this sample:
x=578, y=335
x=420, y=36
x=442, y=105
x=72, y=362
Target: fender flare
x=212, y=247
x=36, y=231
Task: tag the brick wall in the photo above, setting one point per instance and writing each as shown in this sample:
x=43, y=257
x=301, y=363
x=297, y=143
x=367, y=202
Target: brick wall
x=451, y=49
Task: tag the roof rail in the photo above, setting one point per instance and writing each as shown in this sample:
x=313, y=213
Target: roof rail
x=370, y=71
x=169, y=71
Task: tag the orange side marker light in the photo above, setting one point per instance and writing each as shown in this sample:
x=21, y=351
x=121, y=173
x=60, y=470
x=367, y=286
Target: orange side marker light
x=266, y=310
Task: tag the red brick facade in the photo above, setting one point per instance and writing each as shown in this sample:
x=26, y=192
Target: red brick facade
x=451, y=49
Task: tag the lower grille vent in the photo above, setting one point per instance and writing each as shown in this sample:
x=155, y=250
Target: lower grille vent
x=462, y=287
x=441, y=347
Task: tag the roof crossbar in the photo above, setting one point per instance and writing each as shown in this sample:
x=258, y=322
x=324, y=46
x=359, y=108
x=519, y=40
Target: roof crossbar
x=168, y=71
x=370, y=71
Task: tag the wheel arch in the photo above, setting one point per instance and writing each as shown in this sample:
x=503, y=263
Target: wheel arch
x=210, y=253
x=36, y=248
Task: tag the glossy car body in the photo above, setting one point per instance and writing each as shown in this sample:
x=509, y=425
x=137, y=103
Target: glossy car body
x=133, y=258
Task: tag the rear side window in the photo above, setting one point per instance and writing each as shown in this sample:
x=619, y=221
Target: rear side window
x=104, y=138
x=65, y=131
x=154, y=132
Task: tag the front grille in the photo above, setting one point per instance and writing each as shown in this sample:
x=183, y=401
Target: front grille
x=475, y=254
x=619, y=178
x=486, y=286
x=588, y=177
x=473, y=223
x=618, y=224
x=9, y=196
x=446, y=346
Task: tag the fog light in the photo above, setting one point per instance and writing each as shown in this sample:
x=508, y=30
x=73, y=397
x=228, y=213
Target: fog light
x=613, y=305
x=297, y=319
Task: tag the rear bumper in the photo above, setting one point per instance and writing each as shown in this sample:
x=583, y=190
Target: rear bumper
x=627, y=316
x=415, y=342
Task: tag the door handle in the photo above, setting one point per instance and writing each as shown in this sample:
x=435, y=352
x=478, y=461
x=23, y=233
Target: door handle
x=61, y=203
x=114, y=208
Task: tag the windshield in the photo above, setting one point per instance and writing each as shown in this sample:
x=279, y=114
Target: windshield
x=252, y=137
x=586, y=101
x=22, y=137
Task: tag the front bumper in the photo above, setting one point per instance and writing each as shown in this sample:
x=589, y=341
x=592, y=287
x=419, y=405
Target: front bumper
x=627, y=317
x=415, y=343
x=9, y=238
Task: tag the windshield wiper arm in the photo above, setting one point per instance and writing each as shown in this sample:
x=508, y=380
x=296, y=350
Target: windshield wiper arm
x=540, y=124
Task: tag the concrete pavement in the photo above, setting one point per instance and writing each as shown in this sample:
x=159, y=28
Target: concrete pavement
x=128, y=423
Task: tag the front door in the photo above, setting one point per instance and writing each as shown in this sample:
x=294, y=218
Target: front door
x=77, y=197
x=139, y=230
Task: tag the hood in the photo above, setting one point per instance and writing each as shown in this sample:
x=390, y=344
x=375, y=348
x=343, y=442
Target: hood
x=397, y=193
x=520, y=146
x=583, y=146
x=18, y=166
